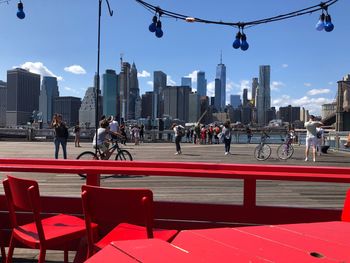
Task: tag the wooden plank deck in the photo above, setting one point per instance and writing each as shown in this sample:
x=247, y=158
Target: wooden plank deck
x=188, y=189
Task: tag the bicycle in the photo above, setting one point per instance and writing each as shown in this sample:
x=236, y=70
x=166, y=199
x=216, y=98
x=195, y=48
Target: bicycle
x=285, y=150
x=122, y=154
x=263, y=150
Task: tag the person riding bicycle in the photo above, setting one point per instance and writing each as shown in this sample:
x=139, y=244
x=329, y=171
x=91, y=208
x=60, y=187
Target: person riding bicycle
x=264, y=135
x=103, y=136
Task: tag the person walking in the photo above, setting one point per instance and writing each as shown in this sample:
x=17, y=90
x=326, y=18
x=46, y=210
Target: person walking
x=311, y=137
x=178, y=130
x=61, y=135
x=226, y=133
x=249, y=135
x=142, y=130
x=76, y=132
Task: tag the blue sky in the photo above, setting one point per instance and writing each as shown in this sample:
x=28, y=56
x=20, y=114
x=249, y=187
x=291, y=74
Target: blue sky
x=59, y=38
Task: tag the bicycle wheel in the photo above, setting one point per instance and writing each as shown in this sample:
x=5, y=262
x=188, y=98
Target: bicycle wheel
x=123, y=155
x=86, y=156
x=285, y=151
x=262, y=152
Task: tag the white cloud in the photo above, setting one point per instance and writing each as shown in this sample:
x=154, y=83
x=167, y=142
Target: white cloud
x=211, y=89
x=307, y=84
x=150, y=83
x=143, y=74
x=38, y=68
x=193, y=75
x=318, y=91
x=75, y=69
x=311, y=104
x=169, y=81
x=277, y=85
x=284, y=65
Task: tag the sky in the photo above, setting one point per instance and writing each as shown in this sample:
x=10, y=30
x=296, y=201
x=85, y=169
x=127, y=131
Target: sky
x=59, y=38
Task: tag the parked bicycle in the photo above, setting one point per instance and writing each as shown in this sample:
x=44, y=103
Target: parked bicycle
x=122, y=154
x=286, y=149
x=263, y=150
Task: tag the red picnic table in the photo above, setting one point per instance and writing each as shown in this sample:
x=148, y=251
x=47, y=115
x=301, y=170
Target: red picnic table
x=309, y=242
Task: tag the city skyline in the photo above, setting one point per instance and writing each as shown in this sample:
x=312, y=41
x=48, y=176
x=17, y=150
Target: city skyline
x=305, y=65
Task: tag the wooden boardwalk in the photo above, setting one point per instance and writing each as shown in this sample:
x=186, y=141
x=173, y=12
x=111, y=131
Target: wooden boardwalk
x=303, y=194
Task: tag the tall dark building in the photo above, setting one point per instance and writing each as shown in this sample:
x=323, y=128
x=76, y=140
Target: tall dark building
x=146, y=104
x=159, y=84
x=255, y=84
x=289, y=114
x=134, y=93
x=3, y=103
x=245, y=97
x=49, y=91
x=176, y=99
x=110, y=91
x=23, y=90
x=69, y=108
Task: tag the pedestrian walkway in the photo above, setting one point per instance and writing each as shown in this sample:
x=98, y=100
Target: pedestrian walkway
x=223, y=191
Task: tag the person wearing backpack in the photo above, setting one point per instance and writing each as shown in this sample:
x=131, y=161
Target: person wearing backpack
x=179, y=131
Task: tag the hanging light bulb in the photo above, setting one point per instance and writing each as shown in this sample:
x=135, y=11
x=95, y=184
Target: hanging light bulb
x=244, y=43
x=237, y=43
x=20, y=13
x=320, y=24
x=152, y=27
x=328, y=27
x=159, y=31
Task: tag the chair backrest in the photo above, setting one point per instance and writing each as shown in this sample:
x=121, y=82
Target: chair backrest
x=110, y=206
x=23, y=195
x=346, y=209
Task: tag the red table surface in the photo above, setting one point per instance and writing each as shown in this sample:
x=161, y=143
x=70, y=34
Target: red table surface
x=109, y=254
x=281, y=243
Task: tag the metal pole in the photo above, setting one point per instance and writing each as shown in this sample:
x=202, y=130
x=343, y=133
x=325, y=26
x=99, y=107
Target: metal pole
x=98, y=71
x=98, y=64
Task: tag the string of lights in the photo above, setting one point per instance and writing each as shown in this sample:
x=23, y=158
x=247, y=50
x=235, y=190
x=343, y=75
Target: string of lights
x=20, y=13
x=324, y=23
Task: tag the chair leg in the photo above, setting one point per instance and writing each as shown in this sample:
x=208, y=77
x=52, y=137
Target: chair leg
x=3, y=255
x=11, y=249
x=42, y=255
x=65, y=256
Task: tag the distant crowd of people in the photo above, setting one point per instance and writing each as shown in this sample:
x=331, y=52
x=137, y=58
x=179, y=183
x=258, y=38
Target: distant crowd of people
x=198, y=134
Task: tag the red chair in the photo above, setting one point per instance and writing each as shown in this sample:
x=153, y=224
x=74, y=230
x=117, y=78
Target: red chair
x=121, y=214
x=55, y=232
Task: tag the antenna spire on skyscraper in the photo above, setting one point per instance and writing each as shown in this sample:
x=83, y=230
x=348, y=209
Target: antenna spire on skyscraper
x=220, y=56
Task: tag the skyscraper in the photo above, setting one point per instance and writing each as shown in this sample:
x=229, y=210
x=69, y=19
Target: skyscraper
x=134, y=93
x=159, y=83
x=110, y=93
x=146, y=104
x=87, y=109
x=263, y=102
x=201, y=84
x=3, y=103
x=186, y=81
x=255, y=84
x=48, y=93
x=176, y=102
x=245, y=97
x=69, y=108
x=221, y=75
x=235, y=101
x=23, y=90
x=217, y=102
x=124, y=85
x=194, y=107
